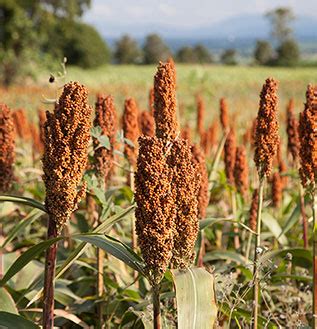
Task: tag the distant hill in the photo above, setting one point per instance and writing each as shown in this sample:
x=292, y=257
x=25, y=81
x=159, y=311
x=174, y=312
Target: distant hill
x=239, y=32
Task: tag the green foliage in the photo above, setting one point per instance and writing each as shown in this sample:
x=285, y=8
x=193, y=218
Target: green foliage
x=263, y=52
x=288, y=53
x=228, y=57
x=155, y=50
x=127, y=51
x=197, y=54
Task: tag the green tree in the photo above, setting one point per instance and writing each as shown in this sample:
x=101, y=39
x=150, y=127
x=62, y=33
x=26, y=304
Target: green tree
x=281, y=19
x=228, y=57
x=203, y=54
x=288, y=53
x=155, y=49
x=127, y=51
x=263, y=52
x=186, y=55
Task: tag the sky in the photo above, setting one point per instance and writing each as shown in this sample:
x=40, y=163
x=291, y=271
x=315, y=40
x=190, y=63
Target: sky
x=116, y=17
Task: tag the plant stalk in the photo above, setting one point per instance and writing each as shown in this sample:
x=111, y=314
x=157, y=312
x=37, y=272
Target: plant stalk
x=236, y=239
x=304, y=217
x=256, y=253
x=100, y=258
x=314, y=259
x=156, y=307
x=50, y=264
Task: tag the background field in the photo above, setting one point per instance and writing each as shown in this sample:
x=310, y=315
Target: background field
x=240, y=85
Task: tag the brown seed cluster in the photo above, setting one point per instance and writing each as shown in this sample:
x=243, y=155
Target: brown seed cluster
x=130, y=129
x=7, y=148
x=277, y=189
x=308, y=138
x=254, y=210
x=38, y=146
x=151, y=101
x=146, y=122
x=21, y=124
x=292, y=131
x=266, y=136
x=200, y=115
x=213, y=133
x=67, y=135
x=200, y=161
x=186, y=133
x=282, y=168
x=165, y=101
x=230, y=155
x=185, y=182
x=156, y=210
x=106, y=119
x=241, y=171
x=224, y=114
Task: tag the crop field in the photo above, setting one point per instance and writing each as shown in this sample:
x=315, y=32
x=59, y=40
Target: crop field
x=169, y=196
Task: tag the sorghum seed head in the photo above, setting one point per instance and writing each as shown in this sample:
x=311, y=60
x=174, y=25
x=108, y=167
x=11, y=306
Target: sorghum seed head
x=230, y=155
x=224, y=115
x=38, y=146
x=282, y=168
x=200, y=115
x=292, y=131
x=204, y=141
x=130, y=129
x=200, y=161
x=165, y=102
x=106, y=119
x=241, y=171
x=7, y=148
x=146, y=121
x=266, y=135
x=254, y=210
x=156, y=211
x=277, y=189
x=67, y=135
x=21, y=124
x=185, y=182
x=308, y=138
x=186, y=133
x=213, y=133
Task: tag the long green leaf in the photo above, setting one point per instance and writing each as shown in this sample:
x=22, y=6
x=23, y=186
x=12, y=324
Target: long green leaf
x=292, y=220
x=9, y=320
x=114, y=247
x=28, y=220
x=274, y=227
x=26, y=257
x=7, y=303
x=212, y=221
x=196, y=305
x=26, y=201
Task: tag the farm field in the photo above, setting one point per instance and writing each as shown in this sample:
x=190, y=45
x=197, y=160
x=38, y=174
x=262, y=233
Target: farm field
x=202, y=222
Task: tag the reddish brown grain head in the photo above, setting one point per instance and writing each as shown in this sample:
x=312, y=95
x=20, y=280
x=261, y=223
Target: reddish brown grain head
x=7, y=148
x=241, y=171
x=204, y=141
x=130, y=129
x=230, y=155
x=277, y=189
x=185, y=182
x=199, y=160
x=67, y=135
x=165, y=102
x=200, y=115
x=308, y=138
x=282, y=168
x=156, y=211
x=224, y=114
x=106, y=119
x=292, y=131
x=254, y=210
x=21, y=124
x=213, y=133
x=146, y=121
x=266, y=135
x=38, y=146
x=186, y=133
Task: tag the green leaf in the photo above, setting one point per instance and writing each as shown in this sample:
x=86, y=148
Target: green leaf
x=212, y=221
x=114, y=247
x=105, y=142
x=274, y=227
x=9, y=320
x=96, y=131
x=7, y=303
x=292, y=220
x=26, y=201
x=26, y=257
x=196, y=305
x=28, y=220
x=128, y=142
x=224, y=255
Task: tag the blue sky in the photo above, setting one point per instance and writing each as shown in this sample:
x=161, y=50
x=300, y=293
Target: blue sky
x=115, y=17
